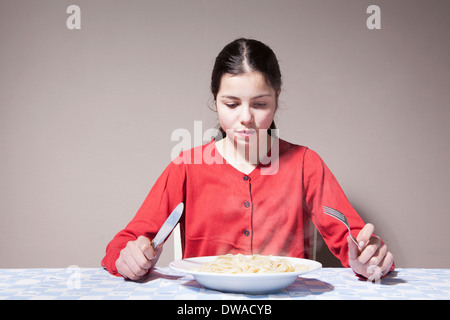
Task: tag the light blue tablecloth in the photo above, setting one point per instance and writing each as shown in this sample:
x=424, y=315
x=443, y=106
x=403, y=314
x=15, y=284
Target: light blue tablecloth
x=162, y=283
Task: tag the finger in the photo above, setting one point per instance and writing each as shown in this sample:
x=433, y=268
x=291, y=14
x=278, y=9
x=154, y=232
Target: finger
x=147, y=249
x=387, y=263
x=123, y=268
x=378, y=257
x=138, y=270
x=374, y=273
x=379, y=271
x=365, y=234
x=158, y=251
x=126, y=272
x=353, y=250
x=141, y=252
x=134, y=259
x=370, y=250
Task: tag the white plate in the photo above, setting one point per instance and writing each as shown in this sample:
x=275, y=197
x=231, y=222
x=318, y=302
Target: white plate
x=253, y=283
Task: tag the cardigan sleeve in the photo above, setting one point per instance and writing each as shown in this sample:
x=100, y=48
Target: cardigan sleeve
x=322, y=189
x=164, y=196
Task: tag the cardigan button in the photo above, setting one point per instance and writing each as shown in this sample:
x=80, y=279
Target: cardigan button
x=246, y=178
x=246, y=233
x=246, y=204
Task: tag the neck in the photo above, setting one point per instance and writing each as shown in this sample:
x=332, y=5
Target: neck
x=246, y=155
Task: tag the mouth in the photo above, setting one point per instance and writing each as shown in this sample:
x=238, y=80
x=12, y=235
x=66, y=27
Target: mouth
x=245, y=132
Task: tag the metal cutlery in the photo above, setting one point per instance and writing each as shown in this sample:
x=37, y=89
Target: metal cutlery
x=168, y=225
x=341, y=217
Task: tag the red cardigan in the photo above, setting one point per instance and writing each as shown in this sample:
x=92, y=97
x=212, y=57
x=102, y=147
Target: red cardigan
x=227, y=211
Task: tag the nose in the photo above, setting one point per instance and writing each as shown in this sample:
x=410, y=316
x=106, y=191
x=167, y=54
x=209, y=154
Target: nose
x=245, y=116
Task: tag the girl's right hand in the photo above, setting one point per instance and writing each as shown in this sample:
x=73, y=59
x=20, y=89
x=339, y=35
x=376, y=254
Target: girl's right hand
x=137, y=258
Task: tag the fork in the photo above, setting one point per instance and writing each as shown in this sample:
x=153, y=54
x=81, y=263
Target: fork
x=341, y=217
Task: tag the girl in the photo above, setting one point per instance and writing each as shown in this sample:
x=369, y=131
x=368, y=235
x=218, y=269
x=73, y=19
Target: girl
x=252, y=192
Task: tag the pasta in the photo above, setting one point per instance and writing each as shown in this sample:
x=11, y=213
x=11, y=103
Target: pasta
x=249, y=264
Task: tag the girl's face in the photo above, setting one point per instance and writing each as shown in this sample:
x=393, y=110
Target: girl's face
x=246, y=104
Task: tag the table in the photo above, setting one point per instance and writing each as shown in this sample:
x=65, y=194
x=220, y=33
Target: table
x=74, y=283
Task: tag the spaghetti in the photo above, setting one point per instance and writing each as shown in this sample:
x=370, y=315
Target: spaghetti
x=249, y=264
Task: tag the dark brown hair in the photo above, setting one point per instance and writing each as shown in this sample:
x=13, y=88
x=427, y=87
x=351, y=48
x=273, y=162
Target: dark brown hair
x=246, y=55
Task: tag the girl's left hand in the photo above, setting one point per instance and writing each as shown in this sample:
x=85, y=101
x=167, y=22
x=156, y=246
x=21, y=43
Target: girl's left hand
x=373, y=260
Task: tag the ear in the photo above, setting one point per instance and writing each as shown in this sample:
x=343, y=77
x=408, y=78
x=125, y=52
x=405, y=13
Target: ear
x=212, y=107
x=277, y=97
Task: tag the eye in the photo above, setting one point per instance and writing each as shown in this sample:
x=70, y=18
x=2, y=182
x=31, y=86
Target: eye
x=259, y=104
x=231, y=104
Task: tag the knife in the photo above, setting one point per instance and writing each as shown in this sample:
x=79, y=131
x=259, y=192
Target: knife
x=168, y=225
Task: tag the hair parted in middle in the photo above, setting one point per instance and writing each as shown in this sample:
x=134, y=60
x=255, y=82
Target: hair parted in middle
x=243, y=56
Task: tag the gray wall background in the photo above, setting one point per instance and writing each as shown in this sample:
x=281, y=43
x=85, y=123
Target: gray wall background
x=86, y=115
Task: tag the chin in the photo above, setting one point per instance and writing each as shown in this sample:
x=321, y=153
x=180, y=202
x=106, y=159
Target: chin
x=246, y=141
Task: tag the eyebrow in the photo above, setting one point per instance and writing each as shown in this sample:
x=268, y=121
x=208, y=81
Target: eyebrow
x=252, y=98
